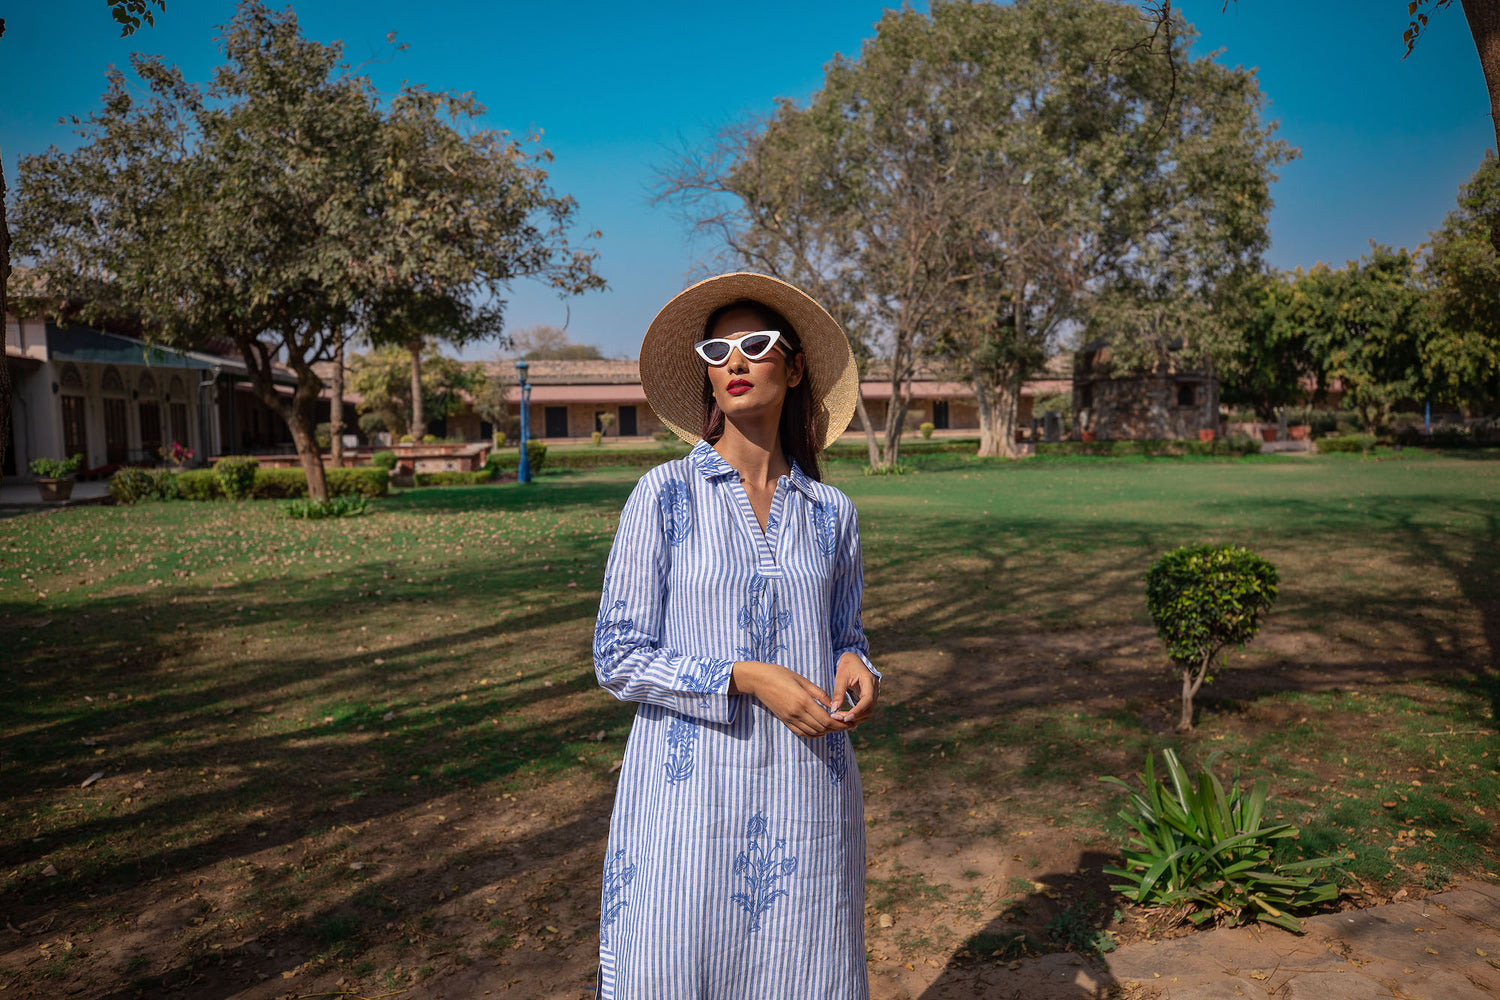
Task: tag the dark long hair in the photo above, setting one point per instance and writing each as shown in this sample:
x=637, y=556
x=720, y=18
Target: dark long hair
x=798, y=427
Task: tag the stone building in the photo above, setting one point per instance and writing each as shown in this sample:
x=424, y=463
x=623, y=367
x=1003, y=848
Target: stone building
x=1171, y=402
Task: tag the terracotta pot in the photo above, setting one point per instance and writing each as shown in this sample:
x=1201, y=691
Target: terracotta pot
x=1205, y=434
x=1268, y=434
x=1088, y=435
x=54, y=490
x=1299, y=432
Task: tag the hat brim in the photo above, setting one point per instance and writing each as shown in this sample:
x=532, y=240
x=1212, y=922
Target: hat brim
x=672, y=373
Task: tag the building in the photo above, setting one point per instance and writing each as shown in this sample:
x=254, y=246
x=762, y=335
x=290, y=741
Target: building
x=117, y=400
x=1170, y=402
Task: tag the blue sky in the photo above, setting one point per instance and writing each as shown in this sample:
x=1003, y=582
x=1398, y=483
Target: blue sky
x=619, y=88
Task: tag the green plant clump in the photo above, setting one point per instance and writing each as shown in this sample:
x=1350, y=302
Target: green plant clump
x=1206, y=852
x=236, y=476
x=285, y=484
x=927, y=427
x=1347, y=444
x=383, y=460
x=536, y=451
x=131, y=485
x=1202, y=599
x=344, y=505
x=476, y=478
x=52, y=468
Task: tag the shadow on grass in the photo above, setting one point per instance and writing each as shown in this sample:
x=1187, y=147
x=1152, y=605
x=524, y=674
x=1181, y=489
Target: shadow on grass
x=301, y=743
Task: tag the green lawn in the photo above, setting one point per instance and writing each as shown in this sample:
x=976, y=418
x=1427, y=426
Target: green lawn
x=372, y=750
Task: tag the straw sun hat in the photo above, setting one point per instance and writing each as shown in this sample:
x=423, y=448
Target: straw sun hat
x=672, y=373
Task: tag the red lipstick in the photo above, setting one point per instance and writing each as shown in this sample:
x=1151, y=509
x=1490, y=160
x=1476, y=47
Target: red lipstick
x=738, y=387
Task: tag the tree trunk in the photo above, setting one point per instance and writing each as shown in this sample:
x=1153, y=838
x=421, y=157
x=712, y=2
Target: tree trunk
x=336, y=404
x=998, y=402
x=5, y=389
x=864, y=421
x=299, y=419
x=1185, y=721
x=1484, y=26
x=418, y=428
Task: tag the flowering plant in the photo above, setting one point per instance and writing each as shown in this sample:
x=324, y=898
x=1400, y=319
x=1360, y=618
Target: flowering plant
x=178, y=454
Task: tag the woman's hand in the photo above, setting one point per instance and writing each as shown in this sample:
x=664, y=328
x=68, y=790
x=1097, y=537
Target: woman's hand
x=796, y=701
x=853, y=677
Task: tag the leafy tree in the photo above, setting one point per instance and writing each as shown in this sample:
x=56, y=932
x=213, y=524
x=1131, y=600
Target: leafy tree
x=544, y=342
x=383, y=379
x=492, y=401
x=1203, y=599
x=1366, y=323
x=1272, y=365
x=979, y=172
x=1462, y=356
x=280, y=204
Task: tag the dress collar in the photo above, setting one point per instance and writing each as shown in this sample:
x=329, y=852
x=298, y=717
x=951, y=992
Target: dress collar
x=711, y=465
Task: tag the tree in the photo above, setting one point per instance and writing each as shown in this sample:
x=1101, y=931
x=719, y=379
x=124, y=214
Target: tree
x=1367, y=323
x=130, y=14
x=1462, y=355
x=281, y=203
x=1272, y=365
x=964, y=186
x=544, y=342
x=492, y=402
x=460, y=212
x=382, y=377
x=1204, y=599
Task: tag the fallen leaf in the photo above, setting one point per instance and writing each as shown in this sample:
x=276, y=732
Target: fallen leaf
x=91, y=779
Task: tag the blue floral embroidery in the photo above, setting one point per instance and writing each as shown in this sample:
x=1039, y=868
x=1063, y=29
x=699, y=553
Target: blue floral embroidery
x=676, y=511
x=825, y=527
x=761, y=867
x=617, y=875
x=761, y=623
x=682, y=735
x=838, y=756
x=711, y=678
x=611, y=632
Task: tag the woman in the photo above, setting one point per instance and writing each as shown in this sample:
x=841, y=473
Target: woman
x=731, y=614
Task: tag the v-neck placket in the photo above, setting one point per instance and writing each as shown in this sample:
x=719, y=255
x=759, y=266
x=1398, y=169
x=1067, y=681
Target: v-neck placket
x=766, y=563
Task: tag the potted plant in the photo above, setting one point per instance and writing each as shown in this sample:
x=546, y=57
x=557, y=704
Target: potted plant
x=177, y=457
x=54, y=477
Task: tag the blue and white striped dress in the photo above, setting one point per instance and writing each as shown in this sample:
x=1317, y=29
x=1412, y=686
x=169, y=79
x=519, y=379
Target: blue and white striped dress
x=736, y=858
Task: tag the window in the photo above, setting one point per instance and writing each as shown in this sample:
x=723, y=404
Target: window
x=150, y=431
x=75, y=433
x=116, y=432
x=177, y=414
x=1186, y=394
x=627, y=422
x=940, y=414
x=555, y=420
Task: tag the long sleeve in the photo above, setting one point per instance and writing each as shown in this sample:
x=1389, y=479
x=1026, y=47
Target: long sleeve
x=848, y=593
x=629, y=660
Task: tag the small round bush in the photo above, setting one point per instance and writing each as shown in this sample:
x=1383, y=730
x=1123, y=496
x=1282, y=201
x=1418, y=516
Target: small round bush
x=597, y=438
x=130, y=485
x=927, y=428
x=536, y=455
x=236, y=475
x=384, y=460
x=1202, y=599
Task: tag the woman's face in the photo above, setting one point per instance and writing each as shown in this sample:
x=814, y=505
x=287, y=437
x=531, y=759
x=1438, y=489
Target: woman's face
x=745, y=388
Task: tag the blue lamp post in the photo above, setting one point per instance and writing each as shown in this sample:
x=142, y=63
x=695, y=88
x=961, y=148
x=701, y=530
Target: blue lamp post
x=523, y=472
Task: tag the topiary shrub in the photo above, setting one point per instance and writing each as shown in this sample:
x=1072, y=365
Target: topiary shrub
x=927, y=429
x=236, y=475
x=130, y=485
x=1203, y=598
x=199, y=484
x=384, y=460
x=1355, y=444
x=279, y=484
x=368, y=482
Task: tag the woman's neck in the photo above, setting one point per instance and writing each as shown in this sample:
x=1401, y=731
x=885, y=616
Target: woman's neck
x=754, y=451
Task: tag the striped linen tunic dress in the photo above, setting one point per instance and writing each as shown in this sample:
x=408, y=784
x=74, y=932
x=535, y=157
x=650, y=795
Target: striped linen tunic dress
x=736, y=858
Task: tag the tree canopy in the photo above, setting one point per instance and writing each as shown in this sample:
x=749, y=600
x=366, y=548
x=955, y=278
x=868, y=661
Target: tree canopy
x=285, y=200
x=981, y=173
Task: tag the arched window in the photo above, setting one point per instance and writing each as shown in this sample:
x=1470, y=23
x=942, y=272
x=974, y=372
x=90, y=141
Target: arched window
x=147, y=385
x=72, y=378
x=111, y=381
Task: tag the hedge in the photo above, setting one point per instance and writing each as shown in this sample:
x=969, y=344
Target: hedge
x=285, y=484
x=1239, y=444
x=1346, y=443
x=484, y=475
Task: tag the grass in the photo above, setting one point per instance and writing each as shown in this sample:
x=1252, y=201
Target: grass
x=375, y=745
